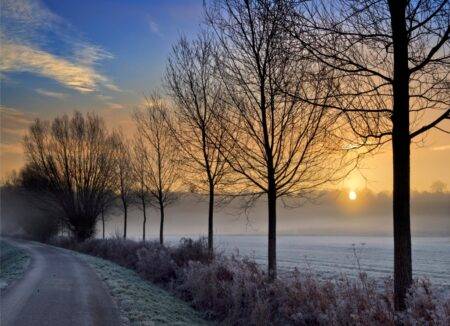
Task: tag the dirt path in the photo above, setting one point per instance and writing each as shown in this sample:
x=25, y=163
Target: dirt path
x=57, y=289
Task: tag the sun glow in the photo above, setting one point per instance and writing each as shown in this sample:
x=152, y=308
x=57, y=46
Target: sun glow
x=352, y=195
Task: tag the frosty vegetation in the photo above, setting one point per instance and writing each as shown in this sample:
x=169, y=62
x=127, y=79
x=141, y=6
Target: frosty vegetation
x=141, y=302
x=13, y=262
x=236, y=291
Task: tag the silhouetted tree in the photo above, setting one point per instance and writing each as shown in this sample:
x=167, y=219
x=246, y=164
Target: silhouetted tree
x=392, y=60
x=140, y=179
x=74, y=159
x=107, y=206
x=280, y=146
x=191, y=78
x=160, y=153
x=124, y=173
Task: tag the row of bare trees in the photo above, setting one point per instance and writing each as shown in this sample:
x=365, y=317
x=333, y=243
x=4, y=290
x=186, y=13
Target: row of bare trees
x=274, y=99
x=74, y=165
x=293, y=86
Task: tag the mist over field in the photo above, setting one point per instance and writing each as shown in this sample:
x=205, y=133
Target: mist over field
x=331, y=214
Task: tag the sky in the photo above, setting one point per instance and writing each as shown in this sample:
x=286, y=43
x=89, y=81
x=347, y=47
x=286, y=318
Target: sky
x=104, y=55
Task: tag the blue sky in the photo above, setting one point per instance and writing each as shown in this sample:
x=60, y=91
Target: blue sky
x=103, y=55
x=59, y=56
x=116, y=48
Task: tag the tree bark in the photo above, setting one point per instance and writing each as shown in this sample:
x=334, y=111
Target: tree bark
x=103, y=224
x=145, y=220
x=210, y=219
x=125, y=220
x=84, y=231
x=161, y=226
x=401, y=156
x=272, y=234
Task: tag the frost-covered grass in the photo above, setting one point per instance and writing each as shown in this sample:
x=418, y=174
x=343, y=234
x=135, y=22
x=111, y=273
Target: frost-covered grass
x=141, y=302
x=13, y=263
x=235, y=290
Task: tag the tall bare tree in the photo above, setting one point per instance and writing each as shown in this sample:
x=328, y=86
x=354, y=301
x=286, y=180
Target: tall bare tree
x=140, y=179
x=74, y=156
x=392, y=59
x=280, y=146
x=191, y=78
x=160, y=153
x=124, y=173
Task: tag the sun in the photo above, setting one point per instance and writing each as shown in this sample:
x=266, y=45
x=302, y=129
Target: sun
x=352, y=195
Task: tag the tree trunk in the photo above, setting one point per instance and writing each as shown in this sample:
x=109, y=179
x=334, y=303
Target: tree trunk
x=210, y=219
x=401, y=156
x=145, y=220
x=84, y=232
x=272, y=243
x=161, y=226
x=103, y=224
x=125, y=220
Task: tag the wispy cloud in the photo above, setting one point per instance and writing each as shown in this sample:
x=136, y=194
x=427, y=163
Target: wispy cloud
x=16, y=57
x=11, y=149
x=115, y=106
x=50, y=93
x=153, y=25
x=29, y=32
x=441, y=148
x=14, y=124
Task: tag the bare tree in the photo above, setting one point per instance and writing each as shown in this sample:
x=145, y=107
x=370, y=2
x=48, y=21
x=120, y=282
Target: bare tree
x=107, y=206
x=124, y=173
x=75, y=159
x=281, y=147
x=191, y=78
x=392, y=60
x=160, y=155
x=140, y=179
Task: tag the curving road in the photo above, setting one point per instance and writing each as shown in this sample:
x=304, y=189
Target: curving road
x=57, y=289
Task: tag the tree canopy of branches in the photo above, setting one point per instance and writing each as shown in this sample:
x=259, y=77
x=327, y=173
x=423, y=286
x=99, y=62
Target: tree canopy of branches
x=391, y=58
x=280, y=146
x=74, y=159
x=159, y=152
x=191, y=78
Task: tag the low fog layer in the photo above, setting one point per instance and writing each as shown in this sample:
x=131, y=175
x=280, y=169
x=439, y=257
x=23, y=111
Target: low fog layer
x=331, y=214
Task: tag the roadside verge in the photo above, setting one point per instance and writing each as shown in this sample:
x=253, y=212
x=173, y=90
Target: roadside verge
x=141, y=302
x=13, y=263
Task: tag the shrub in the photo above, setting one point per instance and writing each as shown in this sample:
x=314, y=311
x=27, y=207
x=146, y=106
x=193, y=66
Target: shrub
x=156, y=264
x=236, y=291
x=191, y=250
